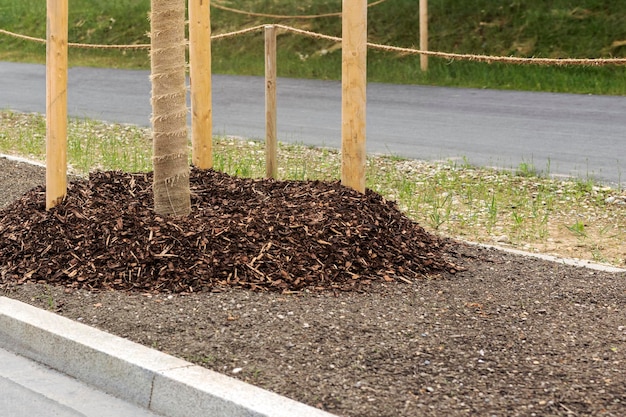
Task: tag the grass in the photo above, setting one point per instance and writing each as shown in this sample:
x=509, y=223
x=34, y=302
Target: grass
x=47, y=298
x=559, y=28
x=574, y=218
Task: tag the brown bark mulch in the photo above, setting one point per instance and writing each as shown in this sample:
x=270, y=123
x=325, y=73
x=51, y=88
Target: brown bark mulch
x=257, y=234
x=329, y=297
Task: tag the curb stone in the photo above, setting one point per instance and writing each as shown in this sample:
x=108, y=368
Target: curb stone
x=130, y=371
x=556, y=259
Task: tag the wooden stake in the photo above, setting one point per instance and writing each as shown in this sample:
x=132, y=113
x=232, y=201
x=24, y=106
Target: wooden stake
x=56, y=102
x=424, y=34
x=200, y=74
x=271, y=164
x=353, y=93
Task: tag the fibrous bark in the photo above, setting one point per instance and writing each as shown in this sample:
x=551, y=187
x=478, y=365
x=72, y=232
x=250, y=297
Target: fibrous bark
x=169, y=110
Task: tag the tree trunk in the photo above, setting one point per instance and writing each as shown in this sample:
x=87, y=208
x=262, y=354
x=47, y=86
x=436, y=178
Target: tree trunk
x=169, y=108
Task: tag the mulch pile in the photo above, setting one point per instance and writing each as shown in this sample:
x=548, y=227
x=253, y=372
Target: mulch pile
x=259, y=234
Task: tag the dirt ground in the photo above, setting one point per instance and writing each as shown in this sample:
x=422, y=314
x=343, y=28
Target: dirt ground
x=435, y=329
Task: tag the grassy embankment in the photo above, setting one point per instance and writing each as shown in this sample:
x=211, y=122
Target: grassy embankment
x=556, y=29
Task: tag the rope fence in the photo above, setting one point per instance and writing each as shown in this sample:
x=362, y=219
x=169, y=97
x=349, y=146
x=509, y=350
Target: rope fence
x=595, y=62
x=76, y=45
x=277, y=16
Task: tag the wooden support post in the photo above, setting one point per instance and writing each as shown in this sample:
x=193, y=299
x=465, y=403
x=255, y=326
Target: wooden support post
x=200, y=75
x=271, y=164
x=353, y=93
x=424, y=34
x=56, y=102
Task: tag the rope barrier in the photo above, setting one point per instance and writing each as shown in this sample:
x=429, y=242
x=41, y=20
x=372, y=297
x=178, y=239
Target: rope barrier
x=472, y=57
x=23, y=37
x=276, y=16
x=445, y=55
x=76, y=45
x=236, y=33
x=506, y=59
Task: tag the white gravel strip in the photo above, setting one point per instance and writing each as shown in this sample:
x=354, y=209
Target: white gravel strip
x=565, y=261
x=21, y=159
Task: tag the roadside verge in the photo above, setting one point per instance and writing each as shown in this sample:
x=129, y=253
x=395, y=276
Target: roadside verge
x=146, y=377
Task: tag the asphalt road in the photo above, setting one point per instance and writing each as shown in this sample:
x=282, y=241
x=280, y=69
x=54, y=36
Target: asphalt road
x=563, y=134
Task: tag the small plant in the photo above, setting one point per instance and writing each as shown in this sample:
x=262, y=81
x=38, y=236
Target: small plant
x=527, y=169
x=48, y=299
x=578, y=229
x=299, y=172
x=518, y=219
x=584, y=186
x=492, y=208
x=440, y=211
x=207, y=359
x=406, y=189
x=543, y=232
x=598, y=256
x=256, y=374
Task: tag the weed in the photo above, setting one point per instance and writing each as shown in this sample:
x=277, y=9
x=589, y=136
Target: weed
x=256, y=374
x=578, y=229
x=584, y=186
x=440, y=211
x=492, y=208
x=527, y=169
x=47, y=298
x=598, y=256
x=518, y=219
x=201, y=359
x=299, y=172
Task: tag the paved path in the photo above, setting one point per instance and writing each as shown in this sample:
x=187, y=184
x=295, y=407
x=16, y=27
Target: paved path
x=565, y=134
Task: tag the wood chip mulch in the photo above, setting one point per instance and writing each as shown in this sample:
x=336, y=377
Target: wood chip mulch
x=259, y=234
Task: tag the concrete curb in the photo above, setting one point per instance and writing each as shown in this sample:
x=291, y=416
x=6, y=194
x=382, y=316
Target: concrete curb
x=127, y=370
x=580, y=263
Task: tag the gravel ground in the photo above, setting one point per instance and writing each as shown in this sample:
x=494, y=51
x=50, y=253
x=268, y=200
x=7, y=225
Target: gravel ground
x=508, y=336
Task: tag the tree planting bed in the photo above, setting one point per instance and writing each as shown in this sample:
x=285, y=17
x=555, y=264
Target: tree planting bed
x=321, y=294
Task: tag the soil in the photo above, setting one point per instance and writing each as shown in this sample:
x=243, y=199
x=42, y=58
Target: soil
x=320, y=294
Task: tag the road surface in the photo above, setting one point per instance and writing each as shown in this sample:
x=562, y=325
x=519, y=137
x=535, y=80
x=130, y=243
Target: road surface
x=563, y=134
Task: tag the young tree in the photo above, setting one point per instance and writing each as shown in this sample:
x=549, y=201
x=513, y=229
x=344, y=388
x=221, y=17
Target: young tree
x=169, y=109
